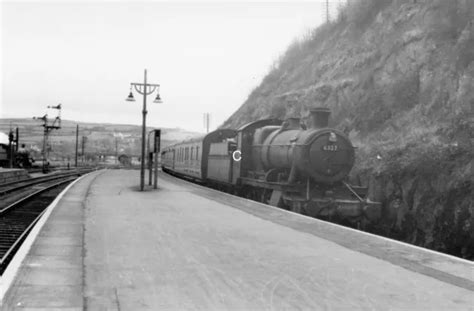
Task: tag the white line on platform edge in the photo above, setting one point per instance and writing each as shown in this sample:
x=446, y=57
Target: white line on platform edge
x=9, y=275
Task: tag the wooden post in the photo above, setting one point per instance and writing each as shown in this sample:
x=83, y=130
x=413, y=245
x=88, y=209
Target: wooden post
x=77, y=143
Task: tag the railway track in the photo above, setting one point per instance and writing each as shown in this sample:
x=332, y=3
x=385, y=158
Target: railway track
x=22, y=205
x=18, y=185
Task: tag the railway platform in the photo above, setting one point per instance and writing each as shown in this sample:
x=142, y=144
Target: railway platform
x=12, y=174
x=105, y=245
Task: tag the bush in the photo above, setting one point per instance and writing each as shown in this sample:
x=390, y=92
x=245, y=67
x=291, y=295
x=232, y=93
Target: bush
x=451, y=19
x=405, y=92
x=361, y=13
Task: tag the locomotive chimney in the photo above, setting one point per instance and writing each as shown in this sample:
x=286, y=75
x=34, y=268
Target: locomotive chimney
x=320, y=117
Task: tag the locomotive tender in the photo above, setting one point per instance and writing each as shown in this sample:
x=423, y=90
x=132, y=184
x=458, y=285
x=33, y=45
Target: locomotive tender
x=280, y=163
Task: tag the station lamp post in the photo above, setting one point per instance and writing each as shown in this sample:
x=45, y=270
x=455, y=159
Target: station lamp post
x=144, y=89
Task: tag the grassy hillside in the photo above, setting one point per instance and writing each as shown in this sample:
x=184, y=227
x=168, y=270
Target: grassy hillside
x=398, y=76
x=100, y=138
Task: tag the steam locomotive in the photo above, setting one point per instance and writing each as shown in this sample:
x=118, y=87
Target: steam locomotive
x=18, y=159
x=281, y=163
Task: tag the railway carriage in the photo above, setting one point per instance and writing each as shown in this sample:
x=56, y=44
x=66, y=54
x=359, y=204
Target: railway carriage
x=190, y=158
x=186, y=158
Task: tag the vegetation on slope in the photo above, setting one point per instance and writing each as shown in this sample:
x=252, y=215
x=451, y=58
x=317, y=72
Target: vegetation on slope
x=398, y=76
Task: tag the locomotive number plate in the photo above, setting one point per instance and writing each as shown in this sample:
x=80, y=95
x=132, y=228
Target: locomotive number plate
x=330, y=148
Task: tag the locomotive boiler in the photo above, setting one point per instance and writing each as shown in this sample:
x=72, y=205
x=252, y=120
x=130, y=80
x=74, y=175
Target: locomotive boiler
x=325, y=155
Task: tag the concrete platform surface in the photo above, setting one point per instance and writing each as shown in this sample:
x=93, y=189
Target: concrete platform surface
x=108, y=246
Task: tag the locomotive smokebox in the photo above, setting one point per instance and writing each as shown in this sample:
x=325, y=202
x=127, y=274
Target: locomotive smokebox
x=319, y=117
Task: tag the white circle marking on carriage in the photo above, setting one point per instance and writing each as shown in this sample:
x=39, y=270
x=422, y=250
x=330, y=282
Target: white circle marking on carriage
x=235, y=157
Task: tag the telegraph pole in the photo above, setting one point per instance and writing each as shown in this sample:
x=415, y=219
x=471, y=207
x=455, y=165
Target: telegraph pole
x=327, y=11
x=11, y=139
x=17, y=138
x=77, y=143
x=207, y=121
x=83, y=144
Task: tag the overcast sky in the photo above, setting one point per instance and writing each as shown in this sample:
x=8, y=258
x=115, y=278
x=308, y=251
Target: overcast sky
x=207, y=56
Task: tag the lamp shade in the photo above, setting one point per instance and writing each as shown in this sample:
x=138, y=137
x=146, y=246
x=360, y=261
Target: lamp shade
x=158, y=99
x=130, y=97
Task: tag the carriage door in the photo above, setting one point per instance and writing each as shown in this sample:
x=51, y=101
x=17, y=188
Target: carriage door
x=174, y=157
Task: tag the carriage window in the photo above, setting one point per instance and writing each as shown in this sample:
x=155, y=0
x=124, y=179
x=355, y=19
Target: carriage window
x=197, y=153
x=192, y=153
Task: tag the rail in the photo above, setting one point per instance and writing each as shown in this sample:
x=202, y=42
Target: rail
x=9, y=187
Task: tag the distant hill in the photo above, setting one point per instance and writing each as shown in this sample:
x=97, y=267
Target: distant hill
x=398, y=76
x=100, y=137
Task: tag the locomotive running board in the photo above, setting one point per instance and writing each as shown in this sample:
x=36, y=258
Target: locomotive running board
x=269, y=185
